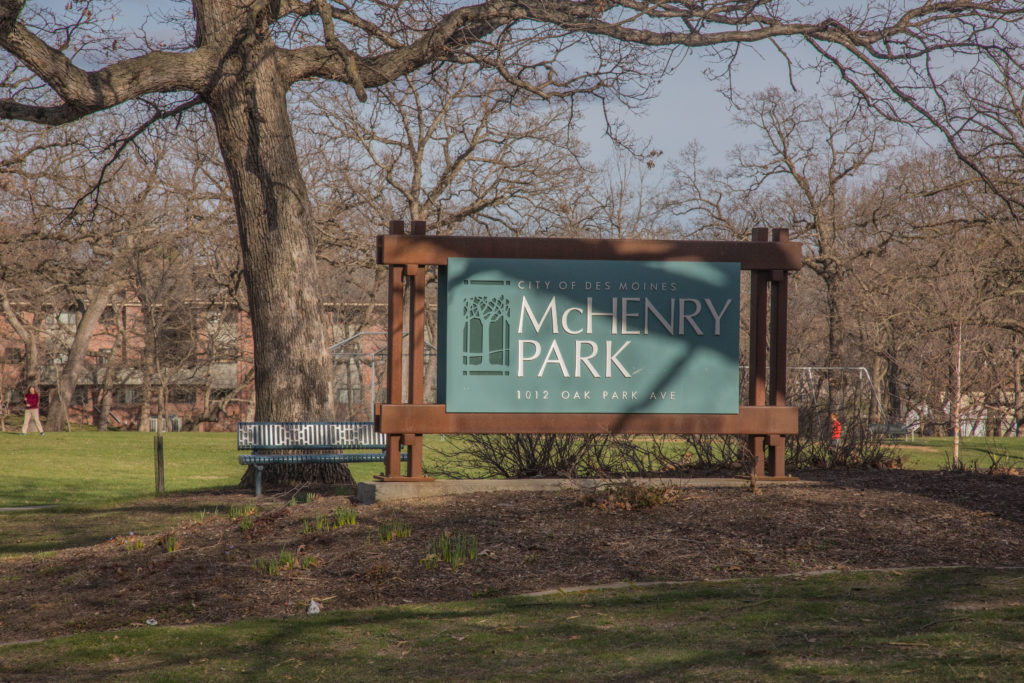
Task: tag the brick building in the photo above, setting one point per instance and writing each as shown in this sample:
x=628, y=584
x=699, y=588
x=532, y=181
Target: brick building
x=192, y=365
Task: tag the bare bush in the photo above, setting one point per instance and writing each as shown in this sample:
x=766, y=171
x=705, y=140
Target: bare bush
x=720, y=452
x=521, y=456
x=812, y=448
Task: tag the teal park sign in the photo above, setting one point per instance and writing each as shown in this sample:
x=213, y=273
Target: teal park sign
x=557, y=336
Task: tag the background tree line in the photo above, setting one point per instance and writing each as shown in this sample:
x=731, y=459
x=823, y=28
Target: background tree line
x=911, y=258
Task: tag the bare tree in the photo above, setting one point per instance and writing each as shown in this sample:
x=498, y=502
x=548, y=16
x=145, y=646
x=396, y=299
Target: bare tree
x=27, y=335
x=182, y=273
x=69, y=258
x=56, y=254
x=96, y=301
x=927, y=315
x=813, y=170
x=966, y=84
x=458, y=148
x=631, y=200
x=452, y=146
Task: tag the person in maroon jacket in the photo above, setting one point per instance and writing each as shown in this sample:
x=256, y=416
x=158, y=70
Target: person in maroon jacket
x=32, y=411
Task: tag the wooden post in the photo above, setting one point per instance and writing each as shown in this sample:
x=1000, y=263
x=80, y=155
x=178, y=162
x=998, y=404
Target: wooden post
x=158, y=460
x=777, y=382
x=413, y=385
x=758, y=349
x=396, y=306
x=417, y=335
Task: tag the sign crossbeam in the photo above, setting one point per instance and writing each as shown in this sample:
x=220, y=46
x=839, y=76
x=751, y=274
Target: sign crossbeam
x=400, y=249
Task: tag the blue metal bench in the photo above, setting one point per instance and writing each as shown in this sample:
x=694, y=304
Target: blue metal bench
x=322, y=442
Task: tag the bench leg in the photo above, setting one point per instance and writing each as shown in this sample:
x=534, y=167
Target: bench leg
x=258, y=481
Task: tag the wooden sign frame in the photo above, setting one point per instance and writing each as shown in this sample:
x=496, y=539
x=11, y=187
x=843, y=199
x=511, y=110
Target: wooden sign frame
x=766, y=421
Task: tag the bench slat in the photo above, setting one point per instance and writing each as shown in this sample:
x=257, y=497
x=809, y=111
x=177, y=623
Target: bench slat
x=262, y=435
x=302, y=458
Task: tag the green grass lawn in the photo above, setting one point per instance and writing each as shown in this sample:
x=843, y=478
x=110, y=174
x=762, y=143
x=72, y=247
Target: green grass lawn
x=94, y=468
x=932, y=453
x=926, y=625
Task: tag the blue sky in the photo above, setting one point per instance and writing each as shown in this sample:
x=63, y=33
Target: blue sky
x=690, y=106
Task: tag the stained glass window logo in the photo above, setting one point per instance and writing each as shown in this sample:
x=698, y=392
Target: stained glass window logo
x=485, y=335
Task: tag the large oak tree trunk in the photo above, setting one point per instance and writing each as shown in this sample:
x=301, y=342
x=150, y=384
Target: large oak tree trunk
x=294, y=372
x=57, y=419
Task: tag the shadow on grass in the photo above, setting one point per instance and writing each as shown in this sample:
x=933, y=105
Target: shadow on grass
x=941, y=624
x=67, y=526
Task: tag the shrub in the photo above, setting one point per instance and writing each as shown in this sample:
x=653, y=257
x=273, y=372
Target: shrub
x=285, y=560
x=344, y=517
x=453, y=549
x=522, y=456
x=677, y=455
x=720, y=452
x=392, y=529
x=1001, y=462
x=629, y=495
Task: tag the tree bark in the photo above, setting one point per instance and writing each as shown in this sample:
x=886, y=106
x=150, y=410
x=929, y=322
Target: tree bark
x=148, y=375
x=958, y=340
x=27, y=338
x=106, y=398
x=1018, y=388
x=896, y=409
x=294, y=374
x=833, y=320
x=294, y=378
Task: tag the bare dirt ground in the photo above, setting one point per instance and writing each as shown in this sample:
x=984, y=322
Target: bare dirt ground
x=527, y=542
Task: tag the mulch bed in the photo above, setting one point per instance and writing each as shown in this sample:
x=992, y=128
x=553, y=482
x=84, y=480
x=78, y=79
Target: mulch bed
x=528, y=542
